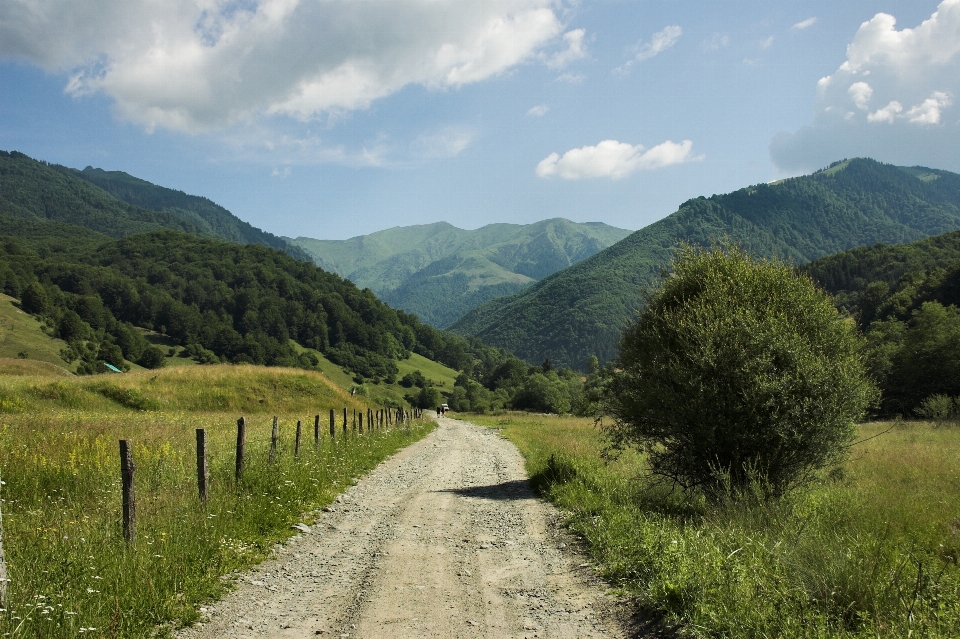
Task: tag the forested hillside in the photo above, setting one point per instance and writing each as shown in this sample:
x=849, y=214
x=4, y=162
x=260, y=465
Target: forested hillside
x=207, y=215
x=579, y=312
x=116, y=204
x=440, y=272
x=223, y=301
x=905, y=298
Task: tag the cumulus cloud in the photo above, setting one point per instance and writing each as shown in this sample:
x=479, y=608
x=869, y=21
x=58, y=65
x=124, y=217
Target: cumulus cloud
x=446, y=143
x=892, y=98
x=196, y=65
x=659, y=42
x=716, y=41
x=614, y=159
x=538, y=110
x=803, y=24
x=766, y=43
x=574, y=51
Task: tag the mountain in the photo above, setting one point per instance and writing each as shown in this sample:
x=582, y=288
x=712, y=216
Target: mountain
x=439, y=272
x=580, y=311
x=116, y=204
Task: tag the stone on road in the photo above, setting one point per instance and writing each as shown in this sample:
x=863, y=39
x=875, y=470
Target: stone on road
x=444, y=539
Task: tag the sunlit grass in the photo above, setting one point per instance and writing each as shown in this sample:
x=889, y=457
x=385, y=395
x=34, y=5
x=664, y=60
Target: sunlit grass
x=71, y=570
x=870, y=550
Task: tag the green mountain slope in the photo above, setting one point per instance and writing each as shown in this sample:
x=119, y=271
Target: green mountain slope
x=580, y=311
x=116, y=204
x=205, y=214
x=440, y=272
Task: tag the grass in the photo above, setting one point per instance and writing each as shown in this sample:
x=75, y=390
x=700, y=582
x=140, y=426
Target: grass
x=71, y=571
x=870, y=550
x=21, y=333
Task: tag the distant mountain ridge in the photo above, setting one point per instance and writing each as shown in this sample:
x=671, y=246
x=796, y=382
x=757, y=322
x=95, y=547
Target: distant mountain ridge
x=116, y=204
x=439, y=271
x=580, y=311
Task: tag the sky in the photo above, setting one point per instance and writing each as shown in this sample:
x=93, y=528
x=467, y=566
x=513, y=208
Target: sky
x=336, y=118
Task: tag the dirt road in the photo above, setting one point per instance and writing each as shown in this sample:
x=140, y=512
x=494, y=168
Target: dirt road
x=445, y=539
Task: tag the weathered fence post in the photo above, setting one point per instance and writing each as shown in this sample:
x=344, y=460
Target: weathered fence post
x=361, y=423
x=296, y=446
x=274, y=436
x=3, y=565
x=241, y=445
x=129, y=496
x=202, y=473
x=354, y=420
x=316, y=430
x=333, y=425
x=344, y=421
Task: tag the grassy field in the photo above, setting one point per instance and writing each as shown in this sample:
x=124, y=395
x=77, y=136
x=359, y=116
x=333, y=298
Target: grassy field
x=20, y=333
x=71, y=571
x=869, y=551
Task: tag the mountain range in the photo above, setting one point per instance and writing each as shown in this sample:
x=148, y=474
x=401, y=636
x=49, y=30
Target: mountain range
x=580, y=311
x=440, y=272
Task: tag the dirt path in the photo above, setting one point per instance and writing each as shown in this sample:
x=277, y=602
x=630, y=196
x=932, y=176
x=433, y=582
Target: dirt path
x=445, y=539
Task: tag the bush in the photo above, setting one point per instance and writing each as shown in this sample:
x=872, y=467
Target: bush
x=738, y=374
x=152, y=357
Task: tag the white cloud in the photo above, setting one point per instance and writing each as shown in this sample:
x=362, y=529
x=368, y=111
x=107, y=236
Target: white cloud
x=659, y=42
x=887, y=113
x=572, y=78
x=766, y=42
x=902, y=83
x=613, y=159
x=716, y=41
x=196, y=65
x=447, y=143
x=538, y=110
x=803, y=24
x=574, y=51
x=860, y=93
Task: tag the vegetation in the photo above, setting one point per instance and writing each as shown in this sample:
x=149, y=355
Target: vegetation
x=440, y=272
x=70, y=568
x=580, y=311
x=869, y=551
x=737, y=373
x=905, y=299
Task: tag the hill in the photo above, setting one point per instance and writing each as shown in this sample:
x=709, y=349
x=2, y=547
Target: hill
x=579, y=312
x=115, y=204
x=440, y=272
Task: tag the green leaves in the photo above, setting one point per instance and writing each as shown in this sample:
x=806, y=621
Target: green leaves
x=737, y=372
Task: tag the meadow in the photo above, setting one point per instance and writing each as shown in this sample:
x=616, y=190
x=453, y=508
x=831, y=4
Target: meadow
x=869, y=550
x=71, y=571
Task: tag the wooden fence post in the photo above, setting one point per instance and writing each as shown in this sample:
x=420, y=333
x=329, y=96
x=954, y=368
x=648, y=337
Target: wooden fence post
x=344, y=421
x=274, y=436
x=333, y=425
x=296, y=446
x=129, y=496
x=361, y=422
x=202, y=473
x=316, y=431
x=3, y=565
x=241, y=445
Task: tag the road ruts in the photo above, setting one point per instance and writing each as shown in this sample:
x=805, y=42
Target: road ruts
x=444, y=539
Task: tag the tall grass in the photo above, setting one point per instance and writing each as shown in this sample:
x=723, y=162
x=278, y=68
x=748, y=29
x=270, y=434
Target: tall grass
x=871, y=550
x=71, y=571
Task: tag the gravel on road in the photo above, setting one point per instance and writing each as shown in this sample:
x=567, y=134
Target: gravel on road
x=444, y=539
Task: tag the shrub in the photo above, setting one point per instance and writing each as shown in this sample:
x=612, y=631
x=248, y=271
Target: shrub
x=737, y=374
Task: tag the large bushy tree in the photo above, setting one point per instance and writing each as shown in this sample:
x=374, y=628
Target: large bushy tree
x=738, y=371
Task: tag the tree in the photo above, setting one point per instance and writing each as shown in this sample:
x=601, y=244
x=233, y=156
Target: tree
x=738, y=373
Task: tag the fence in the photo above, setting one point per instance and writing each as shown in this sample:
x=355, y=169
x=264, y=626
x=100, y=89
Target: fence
x=375, y=421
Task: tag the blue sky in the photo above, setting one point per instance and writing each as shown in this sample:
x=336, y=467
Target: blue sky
x=335, y=118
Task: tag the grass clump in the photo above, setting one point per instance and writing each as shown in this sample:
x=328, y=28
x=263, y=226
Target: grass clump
x=71, y=570
x=869, y=550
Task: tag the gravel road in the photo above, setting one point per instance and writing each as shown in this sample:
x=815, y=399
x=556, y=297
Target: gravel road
x=444, y=539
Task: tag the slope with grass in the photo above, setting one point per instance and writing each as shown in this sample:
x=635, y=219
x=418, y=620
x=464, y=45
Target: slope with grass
x=439, y=272
x=70, y=568
x=580, y=311
x=869, y=550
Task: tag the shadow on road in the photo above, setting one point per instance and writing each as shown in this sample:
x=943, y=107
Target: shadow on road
x=509, y=490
